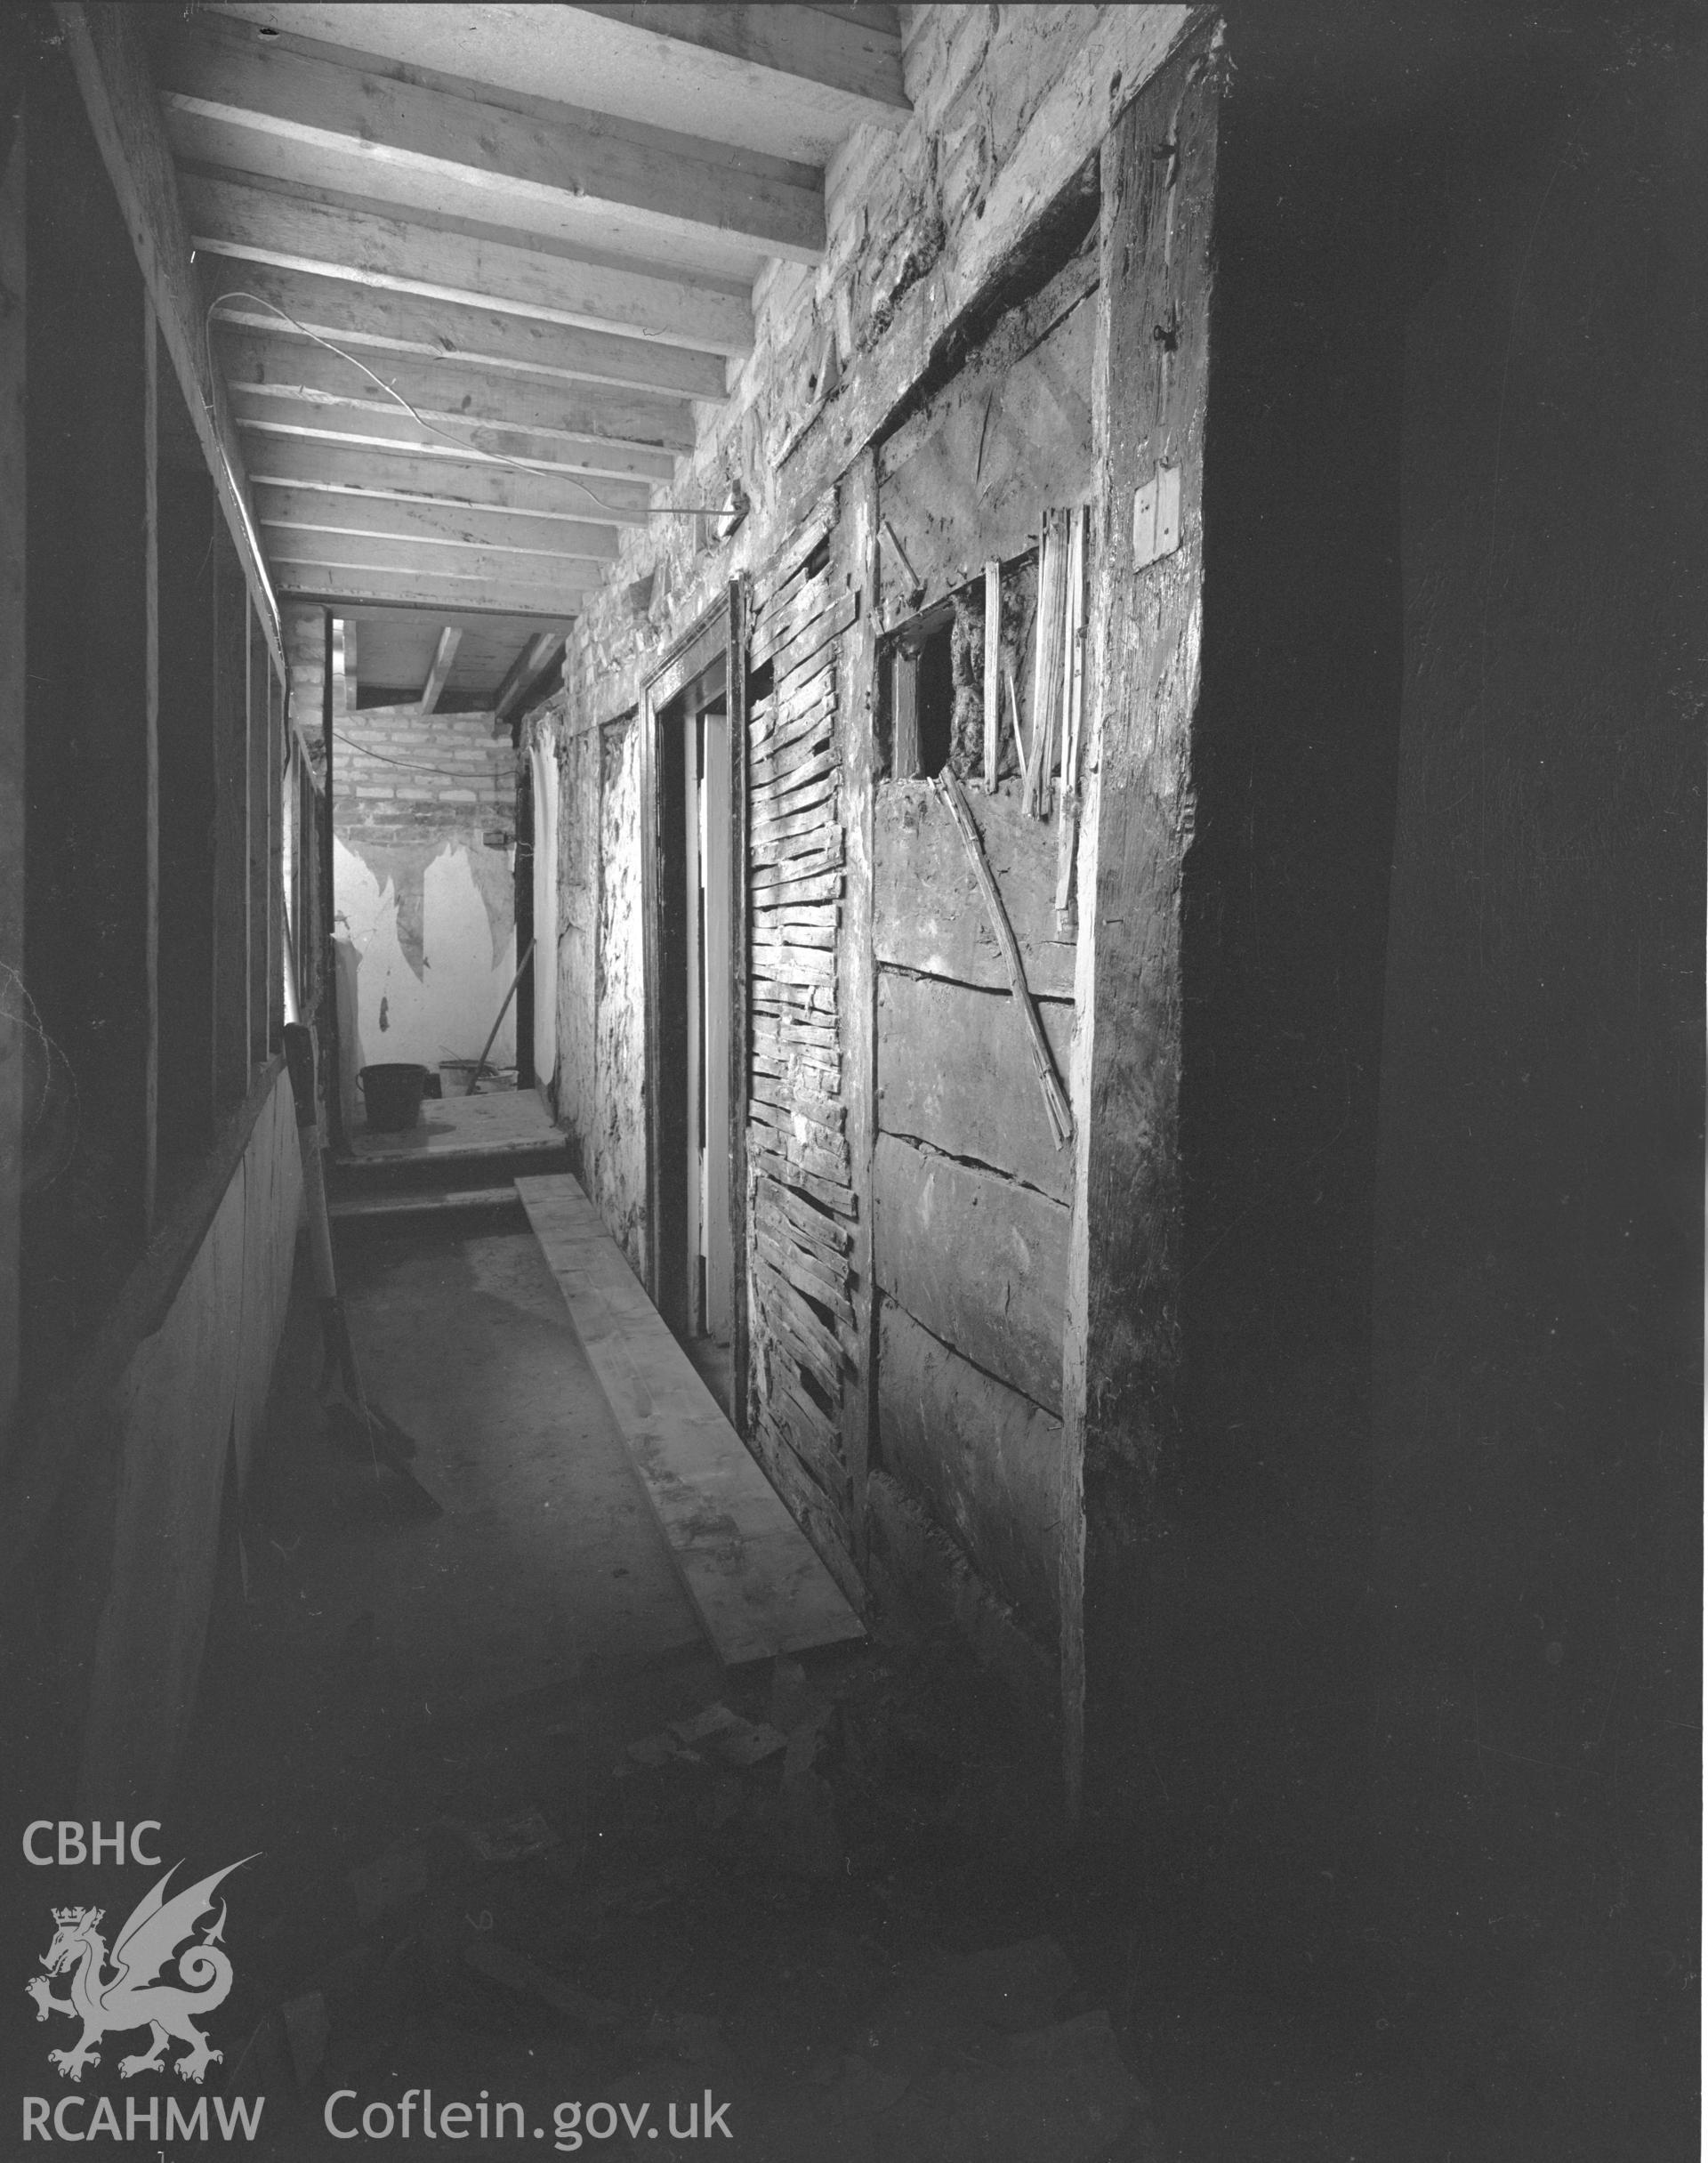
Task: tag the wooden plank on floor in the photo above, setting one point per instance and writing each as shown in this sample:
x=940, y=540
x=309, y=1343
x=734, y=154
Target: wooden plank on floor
x=436, y=1201
x=754, y=1578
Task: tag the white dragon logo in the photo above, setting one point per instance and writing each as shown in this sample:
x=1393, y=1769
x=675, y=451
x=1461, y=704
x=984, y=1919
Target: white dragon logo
x=135, y=1996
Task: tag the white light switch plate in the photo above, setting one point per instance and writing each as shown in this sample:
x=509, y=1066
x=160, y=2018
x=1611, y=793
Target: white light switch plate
x=1156, y=517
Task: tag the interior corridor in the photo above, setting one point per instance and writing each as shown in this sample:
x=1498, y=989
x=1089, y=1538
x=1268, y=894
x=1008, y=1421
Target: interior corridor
x=867, y=771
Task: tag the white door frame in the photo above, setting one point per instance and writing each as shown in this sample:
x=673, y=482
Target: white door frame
x=542, y=754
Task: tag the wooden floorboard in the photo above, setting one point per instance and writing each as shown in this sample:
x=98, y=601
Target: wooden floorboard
x=753, y=1576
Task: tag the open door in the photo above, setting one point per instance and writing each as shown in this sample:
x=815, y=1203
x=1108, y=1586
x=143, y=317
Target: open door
x=693, y=956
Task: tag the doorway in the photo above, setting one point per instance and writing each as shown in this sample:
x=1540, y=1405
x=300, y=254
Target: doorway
x=542, y=774
x=527, y=974
x=692, y=994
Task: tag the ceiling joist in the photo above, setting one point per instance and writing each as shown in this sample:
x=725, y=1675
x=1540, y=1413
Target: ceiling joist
x=296, y=368
x=315, y=510
x=231, y=101
x=790, y=81
x=450, y=638
x=393, y=472
x=526, y=671
x=260, y=296
x=580, y=462
x=233, y=219
x=807, y=48
x=464, y=271
x=362, y=587
x=434, y=559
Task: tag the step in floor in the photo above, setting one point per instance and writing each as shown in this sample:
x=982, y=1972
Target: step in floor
x=463, y=1154
x=752, y=1573
x=456, y=1130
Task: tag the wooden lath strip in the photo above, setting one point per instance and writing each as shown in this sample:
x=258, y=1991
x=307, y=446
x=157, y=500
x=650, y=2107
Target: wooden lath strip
x=807, y=1222
x=792, y=1121
x=833, y=1194
x=811, y=1275
x=779, y=1320
x=791, y=1300
x=810, y=887
x=811, y=807
x=790, y=856
x=768, y=582
x=782, y=1464
x=786, y=1042
x=826, y=1111
x=819, y=632
x=790, y=937
x=778, y=625
x=776, y=766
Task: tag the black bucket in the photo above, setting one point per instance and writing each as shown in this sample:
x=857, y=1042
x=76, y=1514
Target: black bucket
x=392, y=1095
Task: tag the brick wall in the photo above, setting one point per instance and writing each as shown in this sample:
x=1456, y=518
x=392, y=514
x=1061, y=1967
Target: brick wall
x=305, y=652
x=399, y=775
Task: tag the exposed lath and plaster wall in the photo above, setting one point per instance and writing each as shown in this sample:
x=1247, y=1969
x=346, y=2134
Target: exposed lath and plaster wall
x=1009, y=105
x=939, y=239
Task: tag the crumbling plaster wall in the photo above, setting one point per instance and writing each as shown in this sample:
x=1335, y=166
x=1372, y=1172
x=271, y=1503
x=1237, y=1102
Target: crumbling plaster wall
x=425, y=901
x=619, y=1135
x=923, y=224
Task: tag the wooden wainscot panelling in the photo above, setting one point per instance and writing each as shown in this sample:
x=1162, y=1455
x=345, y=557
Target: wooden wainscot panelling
x=962, y=480
x=978, y=1260
x=929, y=914
x=954, y=1069
x=987, y=1460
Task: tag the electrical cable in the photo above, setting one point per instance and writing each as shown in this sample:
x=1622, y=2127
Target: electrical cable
x=522, y=465
x=364, y=751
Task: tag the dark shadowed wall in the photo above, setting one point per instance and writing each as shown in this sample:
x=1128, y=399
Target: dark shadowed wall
x=1538, y=1315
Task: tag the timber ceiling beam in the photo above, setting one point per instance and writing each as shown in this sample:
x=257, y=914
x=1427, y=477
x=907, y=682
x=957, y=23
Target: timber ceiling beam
x=780, y=82
x=442, y=481
x=807, y=49
x=361, y=586
x=107, y=55
x=262, y=297
x=451, y=391
x=489, y=636
x=320, y=512
x=525, y=672
x=576, y=177
x=434, y=560
x=232, y=219
x=582, y=462
x=450, y=638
